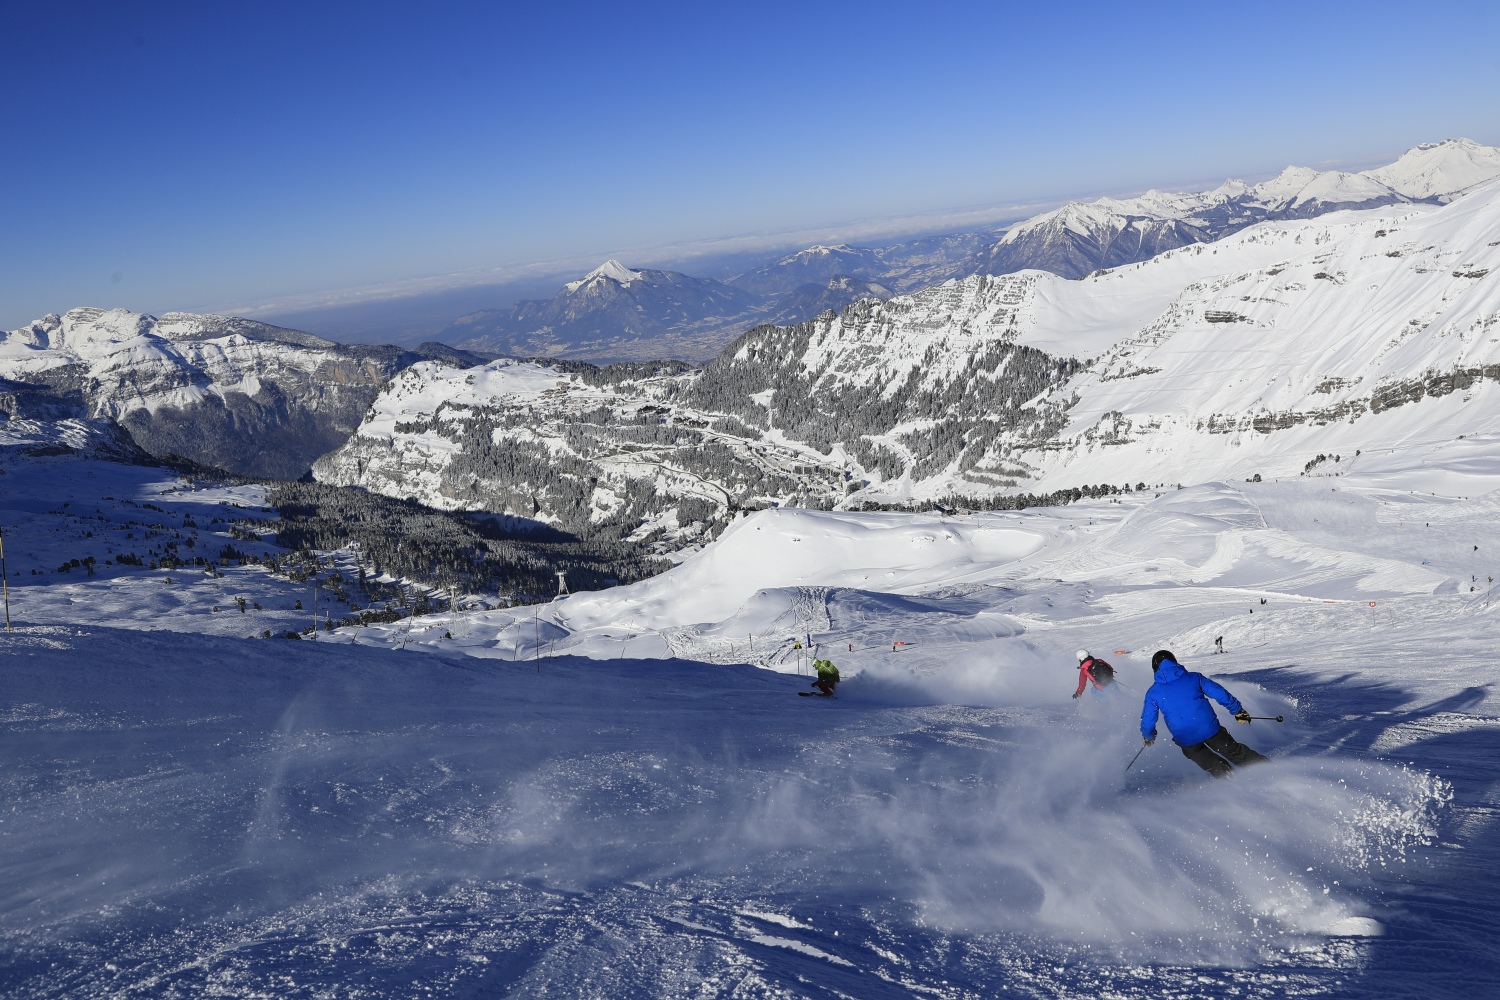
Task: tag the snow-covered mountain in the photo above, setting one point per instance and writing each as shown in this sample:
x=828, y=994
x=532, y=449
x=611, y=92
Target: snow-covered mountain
x=1439, y=171
x=816, y=265
x=1082, y=236
x=220, y=390
x=1375, y=337
x=1362, y=331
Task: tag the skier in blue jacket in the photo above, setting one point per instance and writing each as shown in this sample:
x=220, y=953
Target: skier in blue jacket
x=1179, y=695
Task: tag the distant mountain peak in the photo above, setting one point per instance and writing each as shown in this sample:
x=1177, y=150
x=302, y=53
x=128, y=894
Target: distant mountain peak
x=610, y=269
x=1440, y=170
x=817, y=250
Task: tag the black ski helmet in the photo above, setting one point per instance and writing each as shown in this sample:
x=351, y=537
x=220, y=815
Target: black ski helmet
x=1162, y=654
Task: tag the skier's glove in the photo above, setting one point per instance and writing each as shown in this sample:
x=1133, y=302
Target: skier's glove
x=1148, y=740
x=1076, y=696
x=1243, y=717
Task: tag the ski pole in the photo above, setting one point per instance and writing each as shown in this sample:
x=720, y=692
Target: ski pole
x=1268, y=718
x=1136, y=757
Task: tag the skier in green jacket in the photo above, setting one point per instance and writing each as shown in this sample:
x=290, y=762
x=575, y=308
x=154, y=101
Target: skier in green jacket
x=828, y=677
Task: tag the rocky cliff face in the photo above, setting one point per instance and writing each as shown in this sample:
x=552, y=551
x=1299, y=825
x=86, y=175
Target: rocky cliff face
x=228, y=392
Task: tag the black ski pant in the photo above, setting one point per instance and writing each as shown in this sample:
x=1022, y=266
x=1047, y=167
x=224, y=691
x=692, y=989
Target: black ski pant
x=1219, y=751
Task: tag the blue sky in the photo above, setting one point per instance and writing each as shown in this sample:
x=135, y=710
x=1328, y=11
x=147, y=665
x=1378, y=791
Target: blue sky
x=209, y=156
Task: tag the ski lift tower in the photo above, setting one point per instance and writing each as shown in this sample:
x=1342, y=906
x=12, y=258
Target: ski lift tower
x=562, y=582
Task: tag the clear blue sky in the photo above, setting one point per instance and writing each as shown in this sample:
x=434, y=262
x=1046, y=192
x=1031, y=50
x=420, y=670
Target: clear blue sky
x=201, y=155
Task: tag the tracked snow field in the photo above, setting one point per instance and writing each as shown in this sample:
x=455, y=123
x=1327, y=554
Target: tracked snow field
x=609, y=796
x=244, y=818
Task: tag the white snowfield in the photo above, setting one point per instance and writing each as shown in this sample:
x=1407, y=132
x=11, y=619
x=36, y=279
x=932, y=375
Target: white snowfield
x=550, y=805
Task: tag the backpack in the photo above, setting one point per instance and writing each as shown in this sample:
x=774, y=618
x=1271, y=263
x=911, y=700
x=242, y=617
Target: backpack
x=1102, y=672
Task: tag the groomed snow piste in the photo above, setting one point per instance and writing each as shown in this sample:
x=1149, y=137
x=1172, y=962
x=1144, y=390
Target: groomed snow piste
x=606, y=796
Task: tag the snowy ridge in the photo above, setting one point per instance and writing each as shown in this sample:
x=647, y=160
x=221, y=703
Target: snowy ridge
x=1439, y=170
x=222, y=390
x=816, y=251
x=1082, y=236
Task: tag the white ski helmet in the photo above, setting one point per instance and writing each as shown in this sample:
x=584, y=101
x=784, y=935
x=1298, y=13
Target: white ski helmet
x=1083, y=654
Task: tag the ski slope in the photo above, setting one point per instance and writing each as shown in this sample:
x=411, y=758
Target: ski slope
x=247, y=818
x=610, y=796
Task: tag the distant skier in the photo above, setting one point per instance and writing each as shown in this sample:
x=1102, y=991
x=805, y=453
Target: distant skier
x=1179, y=695
x=1092, y=670
x=828, y=677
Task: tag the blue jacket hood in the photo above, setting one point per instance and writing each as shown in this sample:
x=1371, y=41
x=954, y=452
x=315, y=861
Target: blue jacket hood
x=1169, y=671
